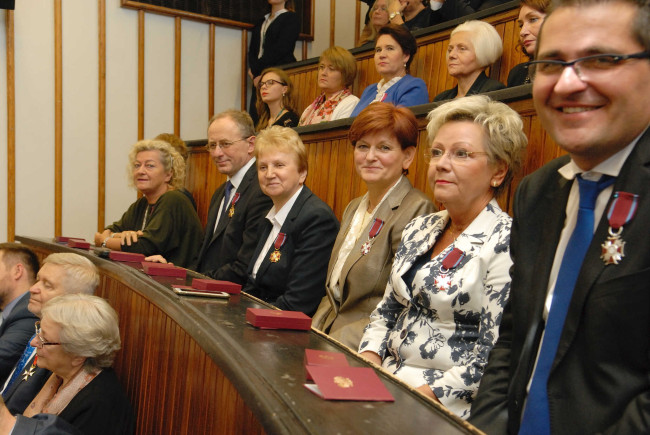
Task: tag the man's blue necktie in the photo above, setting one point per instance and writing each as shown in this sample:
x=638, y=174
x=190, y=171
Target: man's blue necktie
x=20, y=366
x=226, y=198
x=536, y=419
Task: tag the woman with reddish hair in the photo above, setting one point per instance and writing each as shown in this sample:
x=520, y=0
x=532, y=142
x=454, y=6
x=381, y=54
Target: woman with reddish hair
x=384, y=139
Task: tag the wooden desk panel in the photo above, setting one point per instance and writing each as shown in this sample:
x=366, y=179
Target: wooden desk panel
x=193, y=366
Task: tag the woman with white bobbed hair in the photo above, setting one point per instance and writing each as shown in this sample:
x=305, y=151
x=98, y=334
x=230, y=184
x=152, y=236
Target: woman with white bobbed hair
x=77, y=339
x=473, y=46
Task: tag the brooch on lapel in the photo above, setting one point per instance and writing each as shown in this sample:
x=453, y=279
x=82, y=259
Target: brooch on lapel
x=376, y=227
x=449, y=262
x=620, y=212
x=279, y=241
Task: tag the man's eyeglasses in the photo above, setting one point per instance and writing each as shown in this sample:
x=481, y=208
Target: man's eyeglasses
x=584, y=67
x=40, y=341
x=269, y=83
x=459, y=155
x=222, y=144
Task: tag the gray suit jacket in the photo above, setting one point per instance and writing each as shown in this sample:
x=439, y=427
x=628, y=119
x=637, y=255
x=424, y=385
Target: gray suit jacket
x=600, y=379
x=364, y=277
x=15, y=332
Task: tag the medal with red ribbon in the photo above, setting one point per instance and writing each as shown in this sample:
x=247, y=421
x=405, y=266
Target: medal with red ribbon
x=449, y=262
x=620, y=212
x=279, y=241
x=376, y=227
x=235, y=198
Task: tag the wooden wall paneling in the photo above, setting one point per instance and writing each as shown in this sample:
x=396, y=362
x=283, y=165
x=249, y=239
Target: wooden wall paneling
x=177, y=76
x=11, y=125
x=101, y=127
x=140, y=75
x=58, y=118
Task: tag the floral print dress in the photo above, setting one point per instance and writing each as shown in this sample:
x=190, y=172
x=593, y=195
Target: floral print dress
x=436, y=326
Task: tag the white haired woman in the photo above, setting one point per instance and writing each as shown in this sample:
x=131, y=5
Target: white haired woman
x=77, y=339
x=473, y=46
x=450, y=281
x=163, y=221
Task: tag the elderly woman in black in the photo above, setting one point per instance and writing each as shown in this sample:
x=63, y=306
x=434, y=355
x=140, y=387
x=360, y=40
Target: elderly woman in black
x=76, y=340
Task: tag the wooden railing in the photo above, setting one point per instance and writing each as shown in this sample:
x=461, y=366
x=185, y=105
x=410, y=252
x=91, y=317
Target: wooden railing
x=194, y=366
x=429, y=62
x=331, y=173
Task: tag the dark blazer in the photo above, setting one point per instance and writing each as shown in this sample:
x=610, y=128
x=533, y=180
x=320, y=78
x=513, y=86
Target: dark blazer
x=297, y=281
x=482, y=84
x=101, y=407
x=279, y=43
x=25, y=388
x=226, y=252
x=518, y=75
x=600, y=379
x=15, y=332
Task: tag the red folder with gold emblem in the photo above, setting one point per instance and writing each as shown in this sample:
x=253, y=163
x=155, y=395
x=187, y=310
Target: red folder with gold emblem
x=214, y=285
x=347, y=383
x=315, y=357
x=277, y=319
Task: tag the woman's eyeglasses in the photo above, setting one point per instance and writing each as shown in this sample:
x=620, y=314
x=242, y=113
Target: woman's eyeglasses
x=40, y=341
x=269, y=83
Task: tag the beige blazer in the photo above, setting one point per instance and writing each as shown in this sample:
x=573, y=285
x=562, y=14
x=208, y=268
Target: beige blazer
x=364, y=277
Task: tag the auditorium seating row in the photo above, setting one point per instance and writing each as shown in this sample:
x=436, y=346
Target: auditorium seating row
x=193, y=366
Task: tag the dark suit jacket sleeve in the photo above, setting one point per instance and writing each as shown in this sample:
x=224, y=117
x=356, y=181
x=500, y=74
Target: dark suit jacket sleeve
x=17, y=329
x=235, y=271
x=281, y=37
x=314, y=239
x=490, y=408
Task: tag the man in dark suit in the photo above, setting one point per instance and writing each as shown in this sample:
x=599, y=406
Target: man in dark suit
x=18, y=269
x=589, y=372
x=231, y=232
x=60, y=274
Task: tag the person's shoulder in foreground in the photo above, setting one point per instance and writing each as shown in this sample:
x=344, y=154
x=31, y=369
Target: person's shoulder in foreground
x=595, y=378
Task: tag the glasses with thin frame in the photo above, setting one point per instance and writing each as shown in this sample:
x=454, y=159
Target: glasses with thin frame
x=223, y=144
x=40, y=341
x=587, y=67
x=269, y=83
x=458, y=155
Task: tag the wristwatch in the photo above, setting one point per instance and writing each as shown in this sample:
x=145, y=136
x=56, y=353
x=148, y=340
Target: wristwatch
x=393, y=15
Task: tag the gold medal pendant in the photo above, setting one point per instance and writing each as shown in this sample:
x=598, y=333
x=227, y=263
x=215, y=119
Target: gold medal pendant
x=275, y=256
x=231, y=212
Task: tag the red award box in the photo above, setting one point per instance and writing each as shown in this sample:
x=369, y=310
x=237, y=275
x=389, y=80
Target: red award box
x=315, y=357
x=213, y=285
x=133, y=257
x=277, y=319
x=161, y=269
x=347, y=383
x=76, y=243
x=64, y=239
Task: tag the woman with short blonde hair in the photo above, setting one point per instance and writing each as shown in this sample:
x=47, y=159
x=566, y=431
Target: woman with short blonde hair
x=162, y=222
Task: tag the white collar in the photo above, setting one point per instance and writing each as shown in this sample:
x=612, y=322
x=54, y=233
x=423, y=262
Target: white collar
x=239, y=176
